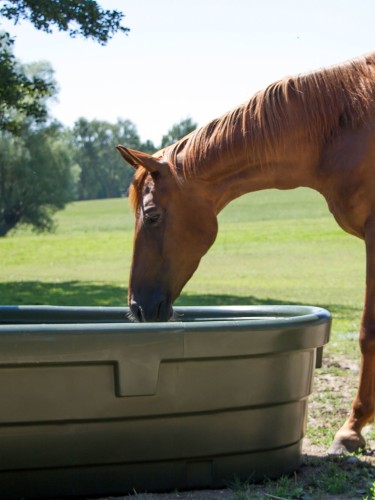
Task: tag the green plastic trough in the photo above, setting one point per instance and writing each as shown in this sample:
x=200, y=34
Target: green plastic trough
x=92, y=404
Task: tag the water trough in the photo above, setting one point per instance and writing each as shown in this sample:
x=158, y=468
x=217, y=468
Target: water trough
x=95, y=405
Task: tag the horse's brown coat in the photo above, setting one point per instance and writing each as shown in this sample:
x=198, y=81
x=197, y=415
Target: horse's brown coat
x=315, y=130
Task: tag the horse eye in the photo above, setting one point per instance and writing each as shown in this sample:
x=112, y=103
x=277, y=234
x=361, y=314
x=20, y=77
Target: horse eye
x=151, y=219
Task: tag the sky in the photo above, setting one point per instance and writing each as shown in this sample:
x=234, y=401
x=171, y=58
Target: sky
x=196, y=58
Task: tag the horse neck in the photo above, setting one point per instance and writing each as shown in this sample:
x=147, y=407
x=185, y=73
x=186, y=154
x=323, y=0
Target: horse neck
x=290, y=165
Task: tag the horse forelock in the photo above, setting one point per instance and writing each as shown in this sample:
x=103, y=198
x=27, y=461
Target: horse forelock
x=321, y=101
x=135, y=190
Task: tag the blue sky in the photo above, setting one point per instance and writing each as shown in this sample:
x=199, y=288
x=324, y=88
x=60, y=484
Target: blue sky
x=196, y=58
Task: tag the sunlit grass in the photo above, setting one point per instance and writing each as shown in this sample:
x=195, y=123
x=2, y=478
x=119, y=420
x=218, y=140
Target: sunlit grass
x=272, y=247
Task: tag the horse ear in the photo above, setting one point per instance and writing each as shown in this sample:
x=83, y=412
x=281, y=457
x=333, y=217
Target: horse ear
x=138, y=159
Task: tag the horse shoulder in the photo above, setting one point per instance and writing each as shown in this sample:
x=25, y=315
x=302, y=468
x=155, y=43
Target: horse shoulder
x=346, y=178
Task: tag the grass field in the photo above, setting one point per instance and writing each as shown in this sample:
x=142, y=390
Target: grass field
x=273, y=248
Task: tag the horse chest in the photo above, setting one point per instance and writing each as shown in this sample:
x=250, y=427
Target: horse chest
x=351, y=204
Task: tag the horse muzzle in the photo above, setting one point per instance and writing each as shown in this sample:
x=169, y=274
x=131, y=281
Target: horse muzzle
x=158, y=309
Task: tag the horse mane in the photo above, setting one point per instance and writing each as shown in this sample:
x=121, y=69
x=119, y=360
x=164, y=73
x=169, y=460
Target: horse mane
x=322, y=101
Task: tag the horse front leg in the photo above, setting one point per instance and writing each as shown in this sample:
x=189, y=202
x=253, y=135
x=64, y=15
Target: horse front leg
x=349, y=438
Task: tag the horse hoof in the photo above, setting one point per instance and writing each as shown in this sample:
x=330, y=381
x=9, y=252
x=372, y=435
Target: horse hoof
x=345, y=444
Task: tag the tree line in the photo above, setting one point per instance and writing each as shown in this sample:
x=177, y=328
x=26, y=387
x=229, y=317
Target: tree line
x=44, y=165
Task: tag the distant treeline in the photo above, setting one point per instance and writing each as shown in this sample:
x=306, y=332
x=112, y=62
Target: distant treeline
x=44, y=165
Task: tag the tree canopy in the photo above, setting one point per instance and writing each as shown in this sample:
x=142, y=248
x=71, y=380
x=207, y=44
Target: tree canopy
x=178, y=131
x=45, y=166
x=23, y=93
x=35, y=177
x=76, y=17
x=102, y=172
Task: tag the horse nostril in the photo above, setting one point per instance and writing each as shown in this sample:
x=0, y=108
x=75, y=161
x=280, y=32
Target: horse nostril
x=164, y=310
x=154, y=310
x=137, y=312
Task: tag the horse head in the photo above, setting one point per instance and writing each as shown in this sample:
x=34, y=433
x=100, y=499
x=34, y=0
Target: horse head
x=175, y=226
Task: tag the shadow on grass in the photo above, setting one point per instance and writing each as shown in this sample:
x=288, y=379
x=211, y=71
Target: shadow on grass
x=65, y=293
x=344, y=477
x=78, y=293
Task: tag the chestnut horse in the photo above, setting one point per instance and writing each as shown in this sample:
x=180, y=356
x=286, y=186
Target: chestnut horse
x=315, y=130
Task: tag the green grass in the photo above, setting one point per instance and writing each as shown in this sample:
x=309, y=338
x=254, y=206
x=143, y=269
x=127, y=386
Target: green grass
x=273, y=247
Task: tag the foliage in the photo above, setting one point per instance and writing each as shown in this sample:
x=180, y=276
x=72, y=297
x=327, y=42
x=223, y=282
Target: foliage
x=86, y=18
x=178, y=131
x=371, y=495
x=103, y=173
x=35, y=178
x=23, y=91
x=35, y=169
x=23, y=95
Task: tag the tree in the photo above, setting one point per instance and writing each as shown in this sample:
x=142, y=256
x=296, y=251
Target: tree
x=77, y=17
x=35, y=167
x=35, y=177
x=23, y=91
x=103, y=173
x=36, y=173
x=24, y=94
x=178, y=131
